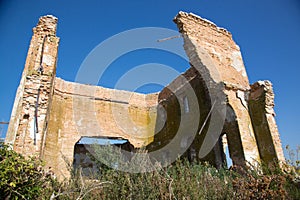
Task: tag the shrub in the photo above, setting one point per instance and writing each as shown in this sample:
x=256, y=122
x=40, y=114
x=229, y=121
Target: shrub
x=21, y=178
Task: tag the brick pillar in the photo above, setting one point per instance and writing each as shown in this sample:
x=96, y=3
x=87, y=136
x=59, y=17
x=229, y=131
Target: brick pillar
x=28, y=121
x=261, y=103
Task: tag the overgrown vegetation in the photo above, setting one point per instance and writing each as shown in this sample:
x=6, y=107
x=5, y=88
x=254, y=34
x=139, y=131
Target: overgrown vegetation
x=22, y=178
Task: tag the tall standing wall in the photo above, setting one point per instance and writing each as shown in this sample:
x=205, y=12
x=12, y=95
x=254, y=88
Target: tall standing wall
x=213, y=47
x=33, y=99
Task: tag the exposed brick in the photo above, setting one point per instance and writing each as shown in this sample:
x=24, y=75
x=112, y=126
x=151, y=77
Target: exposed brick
x=66, y=111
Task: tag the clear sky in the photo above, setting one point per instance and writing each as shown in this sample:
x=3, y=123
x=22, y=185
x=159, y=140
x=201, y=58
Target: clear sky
x=267, y=31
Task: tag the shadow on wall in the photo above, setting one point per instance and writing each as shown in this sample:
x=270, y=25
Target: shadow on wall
x=183, y=118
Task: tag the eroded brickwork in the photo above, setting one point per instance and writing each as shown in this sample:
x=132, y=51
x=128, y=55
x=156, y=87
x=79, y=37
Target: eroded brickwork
x=247, y=141
x=32, y=103
x=51, y=115
x=261, y=104
x=224, y=63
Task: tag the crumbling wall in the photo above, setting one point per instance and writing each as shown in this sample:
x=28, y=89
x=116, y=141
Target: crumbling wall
x=190, y=115
x=91, y=111
x=213, y=47
x=33, y=98
x=261, y=103
x=182, y=107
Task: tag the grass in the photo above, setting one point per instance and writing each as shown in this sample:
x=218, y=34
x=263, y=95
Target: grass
x=181, y=180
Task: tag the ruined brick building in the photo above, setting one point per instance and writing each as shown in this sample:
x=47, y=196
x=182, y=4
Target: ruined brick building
x=43, y=122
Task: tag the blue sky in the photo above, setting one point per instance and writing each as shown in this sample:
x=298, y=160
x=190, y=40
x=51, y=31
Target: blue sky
x=268, y=32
